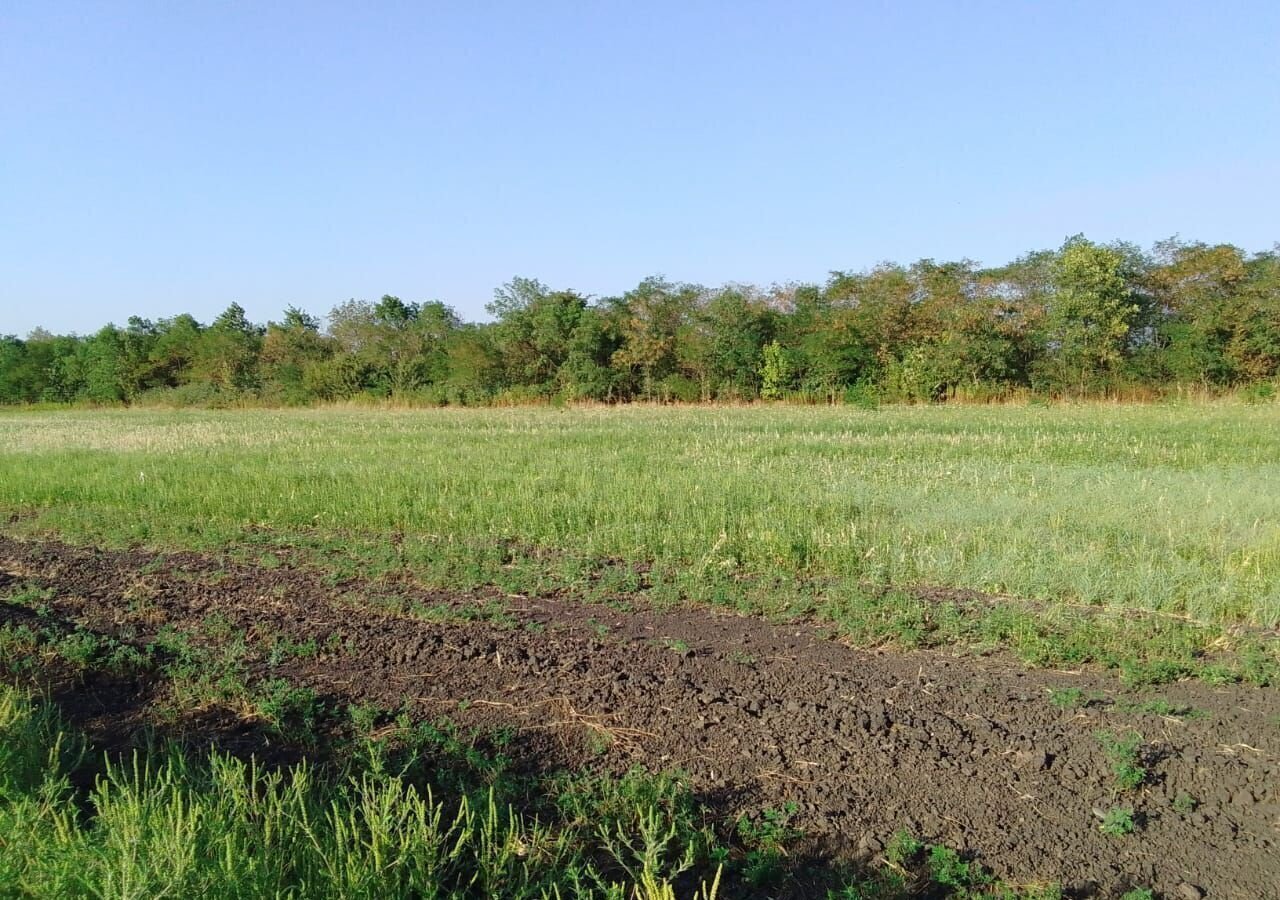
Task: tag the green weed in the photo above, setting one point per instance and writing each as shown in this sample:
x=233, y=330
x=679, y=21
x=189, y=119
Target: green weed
x=766, y=838
x=1066, y=698
x=1122, y=752
x=1118, y=821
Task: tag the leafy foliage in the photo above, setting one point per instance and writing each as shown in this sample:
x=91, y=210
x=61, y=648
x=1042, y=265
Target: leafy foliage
x=1085, y=319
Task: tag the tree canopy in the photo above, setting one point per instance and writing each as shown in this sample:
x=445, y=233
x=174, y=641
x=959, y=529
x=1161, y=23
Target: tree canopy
x=1086, y=319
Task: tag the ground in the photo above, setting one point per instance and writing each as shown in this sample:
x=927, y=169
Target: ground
x=1007, y=764
x=1039, y=640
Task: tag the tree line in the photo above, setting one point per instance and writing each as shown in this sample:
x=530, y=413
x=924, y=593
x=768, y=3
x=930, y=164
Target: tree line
x=1086, y=319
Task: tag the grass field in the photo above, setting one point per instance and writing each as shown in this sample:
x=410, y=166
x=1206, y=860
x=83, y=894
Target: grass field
x=1167, y=508
x=1142, y=538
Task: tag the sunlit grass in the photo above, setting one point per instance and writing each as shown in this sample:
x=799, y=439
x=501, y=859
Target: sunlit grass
x=1173, y=508
x=169, y=824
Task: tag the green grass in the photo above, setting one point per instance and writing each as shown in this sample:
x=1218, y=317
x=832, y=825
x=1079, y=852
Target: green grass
x=1161, y=515
x=172, y=825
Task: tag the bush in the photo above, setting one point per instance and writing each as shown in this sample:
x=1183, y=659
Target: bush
x=1259, y=392
x=197, y=395
x=678, y=389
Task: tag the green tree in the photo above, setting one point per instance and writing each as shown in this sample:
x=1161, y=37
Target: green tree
x=586, y=373
x=719, y=342
x=777, y=373
x=102, y=366
x=226, y=354
x=293, y=354
x=172, y=356
x=535, y=334
x=1090, y=317
x=650, y=318
x=395, y=347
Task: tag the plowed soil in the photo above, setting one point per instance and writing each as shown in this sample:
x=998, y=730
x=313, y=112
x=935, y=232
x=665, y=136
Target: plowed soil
x=963, y=750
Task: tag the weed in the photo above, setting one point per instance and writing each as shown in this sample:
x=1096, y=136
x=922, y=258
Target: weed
x=363, y=717
x=283, y=649
x=1118, y=821
x=766, y=839
x=29, y=594
x=302, y=831
x=599, y=742
x=197, y=675
x=217, y=627
x=79, y=648
x=676, y=645
x=1122, y=753
x=1066, y=698
x=1184, y=803
x=1159, y=706
x=292, y=711
x=948, y=869
x=902, y=846
x=334, y=644
x=18, y=647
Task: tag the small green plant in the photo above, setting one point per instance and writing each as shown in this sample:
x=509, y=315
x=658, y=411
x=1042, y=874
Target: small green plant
x=1066, y=698
x=334, y=644
x=1185, y=804
x=354, y=829
x=675, y=645
x=1118, y=821
x=18, y=646
x=1159, y=706
x=766, y=840
x=599, y=741
x=283, y=649
x=29, y=594
x=363, y=717
x=947, y=868
x=902, y=846
x=1146, y=673
x=1122, y=753
x=1138, y=894
x=289, y=709
x=79, y=648
x=218, y=627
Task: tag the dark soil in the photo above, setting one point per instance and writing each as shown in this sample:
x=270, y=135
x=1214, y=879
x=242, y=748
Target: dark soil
x=961, y=750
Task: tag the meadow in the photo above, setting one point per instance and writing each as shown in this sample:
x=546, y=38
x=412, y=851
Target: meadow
x=543, y=550
x=1167, y=508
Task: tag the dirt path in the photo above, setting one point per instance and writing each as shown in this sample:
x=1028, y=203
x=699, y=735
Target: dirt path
x=965, y=751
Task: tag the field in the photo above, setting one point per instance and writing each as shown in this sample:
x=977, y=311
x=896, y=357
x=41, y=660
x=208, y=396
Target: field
x=764, y=651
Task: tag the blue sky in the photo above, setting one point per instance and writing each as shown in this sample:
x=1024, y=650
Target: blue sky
x=165, y=157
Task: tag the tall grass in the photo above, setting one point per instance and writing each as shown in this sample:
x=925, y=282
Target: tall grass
x=1171, y=507
x=173, y=826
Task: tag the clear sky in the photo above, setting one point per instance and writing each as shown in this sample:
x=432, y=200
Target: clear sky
x=165, y=157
